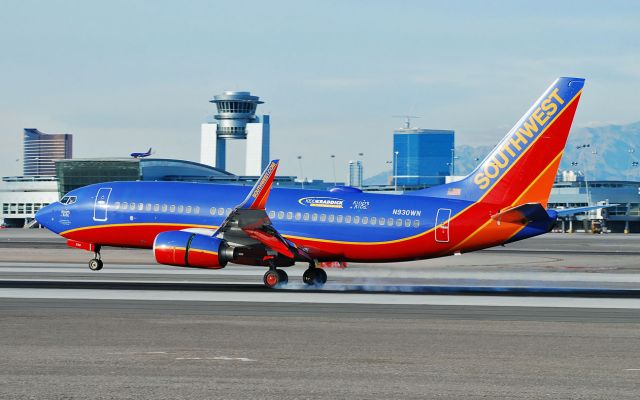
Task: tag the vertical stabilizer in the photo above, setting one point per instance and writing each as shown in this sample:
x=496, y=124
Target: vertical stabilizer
x=522, y=167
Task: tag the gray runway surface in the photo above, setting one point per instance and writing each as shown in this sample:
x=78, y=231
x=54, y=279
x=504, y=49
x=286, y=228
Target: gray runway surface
x=107, y=335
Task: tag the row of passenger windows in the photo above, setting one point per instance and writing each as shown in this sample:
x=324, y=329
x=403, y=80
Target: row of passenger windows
x=346, y=219
x=157, y=207
x=289, y=215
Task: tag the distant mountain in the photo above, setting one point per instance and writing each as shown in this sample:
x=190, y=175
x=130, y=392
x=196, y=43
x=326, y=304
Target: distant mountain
x=612, y=150
x=609, y=155
x=468, y=157
x=383, y=178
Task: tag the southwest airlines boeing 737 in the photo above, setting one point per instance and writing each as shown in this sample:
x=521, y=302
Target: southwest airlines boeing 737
x=207, y=226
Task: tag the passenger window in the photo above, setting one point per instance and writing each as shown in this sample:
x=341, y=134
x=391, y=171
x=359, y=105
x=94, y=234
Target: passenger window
x=196, y=210
x=356, y=219
x=212, y=211
x=339, y=219
x=164, y=208
x=373, y=220
x=381, y=221
x=331, y=217
x=407, y=223
x=416, y=223
x=280, y=214
x=305, y=216
x=289, y=215
x=180, y=209
x=172, y=208
x=272, y=214
x=188, y=210
x=347, y=219
x=156, y=207
x=125, y=205
x=220, y=211
x=140, y=206
x=298, y=216
x=117, y=205
x=314, y=217
x=398, y=222
x=323, y=217
x=365, y=220
x=148, y=208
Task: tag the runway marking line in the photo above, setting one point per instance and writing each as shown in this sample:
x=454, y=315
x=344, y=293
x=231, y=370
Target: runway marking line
x=219, y=358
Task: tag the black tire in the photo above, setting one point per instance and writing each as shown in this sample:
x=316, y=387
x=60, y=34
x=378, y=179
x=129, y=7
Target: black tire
x=95, y=264
x=309, y=276
x=271, y=279
x=321, y=276
x=284, y=278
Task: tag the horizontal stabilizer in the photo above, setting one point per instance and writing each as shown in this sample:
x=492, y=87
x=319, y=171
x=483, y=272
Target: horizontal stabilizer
x=522, y=214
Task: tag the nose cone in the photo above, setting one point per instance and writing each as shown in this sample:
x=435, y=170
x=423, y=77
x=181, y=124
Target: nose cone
x=46, y=216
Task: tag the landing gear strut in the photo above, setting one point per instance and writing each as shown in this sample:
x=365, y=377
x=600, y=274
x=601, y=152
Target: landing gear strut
x=274, y=277
x=95, y=264
x=314, y=275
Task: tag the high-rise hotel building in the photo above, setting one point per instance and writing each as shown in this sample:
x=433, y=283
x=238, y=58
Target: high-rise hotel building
x=42, y=149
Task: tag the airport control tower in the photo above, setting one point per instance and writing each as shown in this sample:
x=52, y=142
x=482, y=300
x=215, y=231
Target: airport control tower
x=236, y=119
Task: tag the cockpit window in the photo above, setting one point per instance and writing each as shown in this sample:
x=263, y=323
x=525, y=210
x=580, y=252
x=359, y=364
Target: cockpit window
x=68, y=200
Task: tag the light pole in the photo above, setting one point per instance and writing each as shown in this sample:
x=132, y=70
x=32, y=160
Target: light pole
x=453, y=161
x=586, y=181
x=333, y=161
x=360, y=169
x=395, y=170
x=301, y=171
x=631, y=151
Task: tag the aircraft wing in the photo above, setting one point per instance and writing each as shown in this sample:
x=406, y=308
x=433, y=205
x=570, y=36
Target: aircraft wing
x=249, y=225
x=565, y=212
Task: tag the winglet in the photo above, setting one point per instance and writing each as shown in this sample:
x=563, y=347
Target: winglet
x=257, y=197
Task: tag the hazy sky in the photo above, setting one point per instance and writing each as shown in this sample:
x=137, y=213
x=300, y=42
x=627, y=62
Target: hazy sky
x=125, y=75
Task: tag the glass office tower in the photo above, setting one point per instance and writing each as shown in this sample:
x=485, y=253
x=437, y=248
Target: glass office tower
x=422, y=157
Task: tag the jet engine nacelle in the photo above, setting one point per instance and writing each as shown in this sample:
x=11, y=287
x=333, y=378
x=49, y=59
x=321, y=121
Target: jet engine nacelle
x=188, y=249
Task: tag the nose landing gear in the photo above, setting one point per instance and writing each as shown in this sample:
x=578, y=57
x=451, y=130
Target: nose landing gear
x=95, y=264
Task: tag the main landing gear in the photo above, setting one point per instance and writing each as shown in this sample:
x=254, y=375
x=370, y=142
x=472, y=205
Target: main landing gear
x=95, y=264
x=274, y=277
x=314, y=275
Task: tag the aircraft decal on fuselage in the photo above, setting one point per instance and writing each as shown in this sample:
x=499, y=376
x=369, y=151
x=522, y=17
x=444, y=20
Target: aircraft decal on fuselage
x=323, y=202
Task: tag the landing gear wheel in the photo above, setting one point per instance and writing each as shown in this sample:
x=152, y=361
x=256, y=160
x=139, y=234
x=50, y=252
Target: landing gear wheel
x=95, y=264
x=321, y=276
x=309, y=276
x=284, y=278
x=271, y=278
x=314, y=276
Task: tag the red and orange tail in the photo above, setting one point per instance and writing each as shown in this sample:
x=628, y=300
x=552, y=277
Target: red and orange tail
x=522, y=167
x=257, y=197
